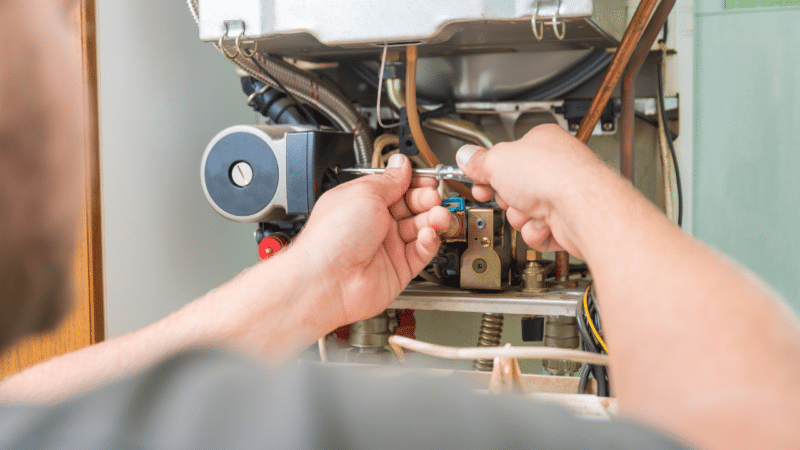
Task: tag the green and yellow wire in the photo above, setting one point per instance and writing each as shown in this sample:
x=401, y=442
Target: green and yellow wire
x=589, y=319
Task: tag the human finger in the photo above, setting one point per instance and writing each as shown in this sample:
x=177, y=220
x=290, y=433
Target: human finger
x=537, y=234
x=437, y=218
x=417, y=200
x=516, y=218
x=424, y=182
x=482, y=192
x=500, y=202
x=392, y=183
x=421, y=251
x=472, y=160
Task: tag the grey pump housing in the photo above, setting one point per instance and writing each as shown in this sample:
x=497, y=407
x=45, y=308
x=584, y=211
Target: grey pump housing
x=289, y=168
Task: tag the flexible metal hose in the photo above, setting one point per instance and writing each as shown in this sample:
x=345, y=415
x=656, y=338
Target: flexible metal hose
x=490, y=334
x=306, y=87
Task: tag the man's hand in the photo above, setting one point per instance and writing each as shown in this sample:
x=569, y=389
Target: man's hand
x=528, y=178
x=368, y=238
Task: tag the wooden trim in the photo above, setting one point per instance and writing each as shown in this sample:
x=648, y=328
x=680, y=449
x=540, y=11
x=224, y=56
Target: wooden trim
x=93, y=194
x=86, y=324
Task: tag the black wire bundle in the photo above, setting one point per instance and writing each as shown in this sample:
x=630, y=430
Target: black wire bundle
x=308, y=115
x=589, y=344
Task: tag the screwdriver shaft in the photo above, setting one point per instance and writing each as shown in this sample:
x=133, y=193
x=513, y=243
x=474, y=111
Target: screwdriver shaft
x=440, y=172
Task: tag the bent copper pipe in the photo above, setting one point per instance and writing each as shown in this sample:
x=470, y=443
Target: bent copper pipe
x=637, y=60
x=623, y=54
x=626, y=47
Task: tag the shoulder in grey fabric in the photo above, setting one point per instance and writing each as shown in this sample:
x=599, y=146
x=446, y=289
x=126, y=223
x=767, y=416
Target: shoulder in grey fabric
x=210, y=399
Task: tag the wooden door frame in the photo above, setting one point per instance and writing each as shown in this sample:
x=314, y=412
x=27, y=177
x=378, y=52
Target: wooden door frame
x=86, y=324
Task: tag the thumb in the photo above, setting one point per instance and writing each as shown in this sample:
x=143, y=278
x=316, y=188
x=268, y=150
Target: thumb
x=472, y=160
x=394, y=182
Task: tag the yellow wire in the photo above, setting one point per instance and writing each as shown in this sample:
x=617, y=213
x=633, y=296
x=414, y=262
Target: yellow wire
x=589, y=319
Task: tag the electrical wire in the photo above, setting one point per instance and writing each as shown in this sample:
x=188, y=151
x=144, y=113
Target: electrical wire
x=323, y=350
x=663, y=112
x=441, y=351
x=589, y=319
x=569, y=80
x=600, y=373
x=380, y=92
x=308, y=115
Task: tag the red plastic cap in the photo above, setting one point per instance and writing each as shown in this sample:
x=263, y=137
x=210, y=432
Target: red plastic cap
x=270, y=246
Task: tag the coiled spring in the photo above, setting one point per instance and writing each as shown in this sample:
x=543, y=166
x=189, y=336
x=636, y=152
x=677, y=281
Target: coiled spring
x=491, y=331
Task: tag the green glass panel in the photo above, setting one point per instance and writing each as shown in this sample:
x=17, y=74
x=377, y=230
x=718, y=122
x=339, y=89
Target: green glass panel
x=747, y=140
x=732, y=4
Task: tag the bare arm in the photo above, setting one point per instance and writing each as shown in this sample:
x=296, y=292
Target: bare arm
x=363, y=244
x=698, y=345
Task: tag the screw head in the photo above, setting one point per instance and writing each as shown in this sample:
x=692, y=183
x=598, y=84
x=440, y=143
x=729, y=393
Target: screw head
x=574, y=126
x=241, y=174
x=480, y=223
x=486, y=242
x=608, y=126
x=479, y=265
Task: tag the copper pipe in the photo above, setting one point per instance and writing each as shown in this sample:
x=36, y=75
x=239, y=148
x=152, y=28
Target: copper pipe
x=459, y=129
x=378, y=146
x=637, y=60
x=629, y=40
x=449, y=126
x=562, y=266
x=413, y=120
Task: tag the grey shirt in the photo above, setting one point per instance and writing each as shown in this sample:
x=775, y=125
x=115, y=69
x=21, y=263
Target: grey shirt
x=209, y=399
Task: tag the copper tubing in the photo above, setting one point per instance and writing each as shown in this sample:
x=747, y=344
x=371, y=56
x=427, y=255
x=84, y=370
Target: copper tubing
x=413, y=120
x=449, y=126
x=460, y=129
x=637, y=60
x=562, y=266
x=632, y=35
x=378, y=146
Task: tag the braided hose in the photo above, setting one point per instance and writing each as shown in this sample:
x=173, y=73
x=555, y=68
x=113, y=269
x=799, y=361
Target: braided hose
x=317, y=93
x=490, y=334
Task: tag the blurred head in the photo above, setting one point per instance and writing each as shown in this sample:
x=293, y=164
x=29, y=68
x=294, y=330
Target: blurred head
x=41, y=163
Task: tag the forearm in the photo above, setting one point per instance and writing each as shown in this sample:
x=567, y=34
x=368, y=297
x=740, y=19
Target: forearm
x=272, y=310
x=693, y=338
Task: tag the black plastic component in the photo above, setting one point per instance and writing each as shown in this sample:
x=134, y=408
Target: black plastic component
x=574, y=110
x=272, y=103
x=533, y=329
x=248, y=200
x=311, y=160
x=407, y=145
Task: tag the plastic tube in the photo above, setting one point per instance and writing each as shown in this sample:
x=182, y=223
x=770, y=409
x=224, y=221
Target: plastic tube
x=441, y=351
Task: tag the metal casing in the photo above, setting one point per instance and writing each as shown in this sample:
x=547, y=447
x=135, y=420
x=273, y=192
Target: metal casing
x=291, y=165
x=329, y=30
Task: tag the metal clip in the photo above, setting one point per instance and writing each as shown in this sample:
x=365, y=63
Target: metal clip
x=538, y=5
x=238, y=41
x=256, y=94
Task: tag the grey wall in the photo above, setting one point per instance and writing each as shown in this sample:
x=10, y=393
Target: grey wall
x=163, y=96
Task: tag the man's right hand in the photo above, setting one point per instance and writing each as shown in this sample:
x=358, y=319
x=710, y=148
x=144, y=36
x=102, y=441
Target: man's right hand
x=531, y=178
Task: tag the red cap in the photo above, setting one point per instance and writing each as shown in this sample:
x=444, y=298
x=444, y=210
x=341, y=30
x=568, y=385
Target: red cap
x=270, y=246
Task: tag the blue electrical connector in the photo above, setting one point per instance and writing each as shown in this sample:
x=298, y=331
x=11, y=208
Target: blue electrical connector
x=453, y=204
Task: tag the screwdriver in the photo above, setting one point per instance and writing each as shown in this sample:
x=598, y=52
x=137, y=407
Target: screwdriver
x=440, y=172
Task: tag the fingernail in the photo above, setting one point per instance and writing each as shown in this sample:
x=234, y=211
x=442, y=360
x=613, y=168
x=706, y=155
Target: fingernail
x=465, y=153
x=395, y=161
x=539, y=224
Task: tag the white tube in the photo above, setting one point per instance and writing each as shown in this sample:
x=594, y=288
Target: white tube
x=441, y=351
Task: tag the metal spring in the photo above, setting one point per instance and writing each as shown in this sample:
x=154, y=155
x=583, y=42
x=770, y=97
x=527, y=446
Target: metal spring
x=491, y=331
